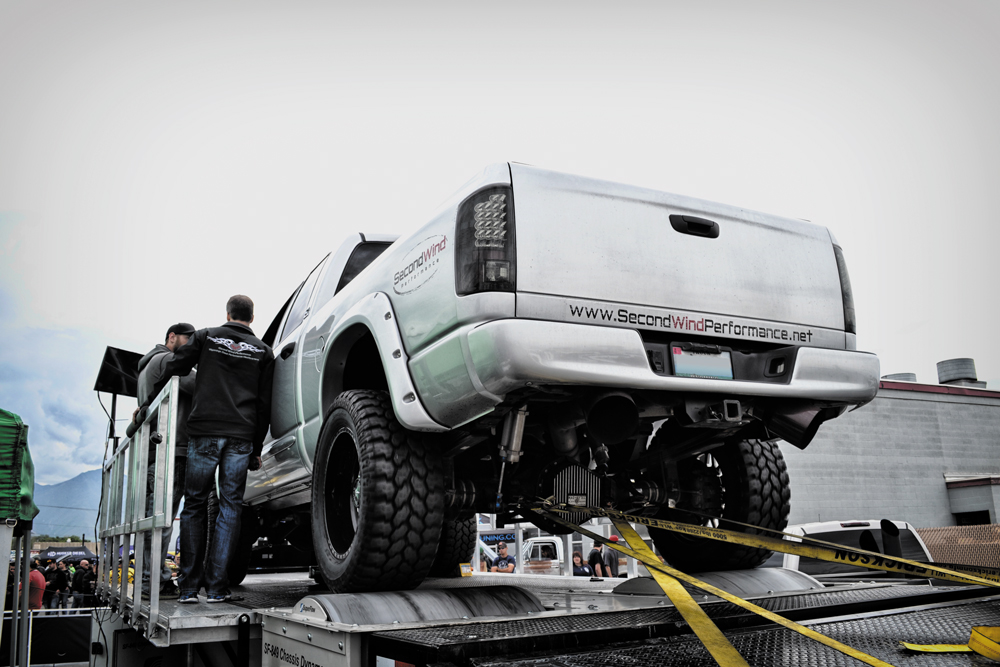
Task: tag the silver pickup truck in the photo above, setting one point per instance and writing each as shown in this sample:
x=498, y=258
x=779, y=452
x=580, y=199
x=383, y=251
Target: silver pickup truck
x=550, y=336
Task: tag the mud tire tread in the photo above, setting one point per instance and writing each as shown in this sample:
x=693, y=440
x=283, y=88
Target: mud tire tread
x=457, y=545
x=402, y=499
x=757, y=492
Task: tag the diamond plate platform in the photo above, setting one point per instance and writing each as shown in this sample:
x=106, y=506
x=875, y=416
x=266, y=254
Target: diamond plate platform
x=572, y=629
x=876, y=635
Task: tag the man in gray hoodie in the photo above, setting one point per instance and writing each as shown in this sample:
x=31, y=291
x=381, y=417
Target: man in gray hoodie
x=150, y=372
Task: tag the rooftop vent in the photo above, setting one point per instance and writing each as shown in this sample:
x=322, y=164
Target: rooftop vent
x=901, y=377
x=961, y=372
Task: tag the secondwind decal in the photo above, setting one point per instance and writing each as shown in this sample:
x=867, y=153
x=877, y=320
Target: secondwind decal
x=419, y=264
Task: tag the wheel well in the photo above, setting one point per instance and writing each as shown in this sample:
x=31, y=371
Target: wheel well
x=354, y=362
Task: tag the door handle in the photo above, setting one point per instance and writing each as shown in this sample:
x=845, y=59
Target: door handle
x=287, y=350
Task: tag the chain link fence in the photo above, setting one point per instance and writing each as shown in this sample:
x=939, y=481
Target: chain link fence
x=964, y=545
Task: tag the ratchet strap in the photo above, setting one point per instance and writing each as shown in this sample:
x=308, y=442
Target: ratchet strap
x=802, y=546
x=984, y=640
x=717, y=644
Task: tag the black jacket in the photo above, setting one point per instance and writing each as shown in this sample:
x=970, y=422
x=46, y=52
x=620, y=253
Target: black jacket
x=83, y=580
x=232, y=393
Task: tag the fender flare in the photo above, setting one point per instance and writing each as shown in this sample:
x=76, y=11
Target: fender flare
x=376, y=314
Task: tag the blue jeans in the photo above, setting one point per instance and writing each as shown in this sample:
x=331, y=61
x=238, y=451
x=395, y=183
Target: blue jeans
x=206, y=453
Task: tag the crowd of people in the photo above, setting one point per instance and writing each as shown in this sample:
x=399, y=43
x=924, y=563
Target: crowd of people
x=59, y=584
x=600, y=562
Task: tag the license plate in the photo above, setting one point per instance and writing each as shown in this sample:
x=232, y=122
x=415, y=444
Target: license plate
x=691, y=364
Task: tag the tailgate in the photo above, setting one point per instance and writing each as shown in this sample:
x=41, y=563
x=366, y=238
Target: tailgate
x=582, y=240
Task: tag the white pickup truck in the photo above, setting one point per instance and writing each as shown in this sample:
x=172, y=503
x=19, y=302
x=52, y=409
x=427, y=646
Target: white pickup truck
x=548, y=336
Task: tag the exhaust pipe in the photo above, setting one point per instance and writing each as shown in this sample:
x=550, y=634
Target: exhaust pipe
x=612, y=418
x=562, y=429
x=799, y=426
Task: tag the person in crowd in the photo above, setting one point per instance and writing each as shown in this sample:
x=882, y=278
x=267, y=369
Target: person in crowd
x=83, y=585
x=580, y=569
x=611, y=560
x=60, y=587
x=229, y=418
x=36, y=586
x=150, y=374
x=49, y=573
x=8, y=601
x=503, y=562
x=596, y=560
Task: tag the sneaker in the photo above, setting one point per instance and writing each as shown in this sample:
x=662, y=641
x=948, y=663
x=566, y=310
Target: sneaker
x=221, y=597
x=187, y=598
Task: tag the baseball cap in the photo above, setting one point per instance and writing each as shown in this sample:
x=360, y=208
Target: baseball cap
x=613, y=538
x=181, y=329
x=501, y=545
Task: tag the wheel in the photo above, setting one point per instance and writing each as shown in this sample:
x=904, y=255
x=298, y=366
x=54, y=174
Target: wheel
x=239, y=564
x=457, y=545
x=745, y=481
x=377, y=498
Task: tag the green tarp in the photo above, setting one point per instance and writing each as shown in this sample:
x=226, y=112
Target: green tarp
x=17, y=473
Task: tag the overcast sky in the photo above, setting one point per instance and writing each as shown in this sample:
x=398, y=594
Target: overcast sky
x=156, y=158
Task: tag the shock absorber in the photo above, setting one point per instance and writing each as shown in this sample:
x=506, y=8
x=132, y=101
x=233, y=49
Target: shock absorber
x=510, y=444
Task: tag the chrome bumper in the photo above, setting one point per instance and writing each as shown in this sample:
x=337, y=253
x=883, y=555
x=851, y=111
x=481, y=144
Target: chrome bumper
x=509, y=354
x=466, y=374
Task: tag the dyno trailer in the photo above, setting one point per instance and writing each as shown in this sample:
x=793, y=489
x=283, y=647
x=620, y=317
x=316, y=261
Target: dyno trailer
x=479, y=620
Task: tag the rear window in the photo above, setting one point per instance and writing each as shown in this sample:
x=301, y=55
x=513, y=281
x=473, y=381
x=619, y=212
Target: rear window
x=363, y=255
x=852, y=538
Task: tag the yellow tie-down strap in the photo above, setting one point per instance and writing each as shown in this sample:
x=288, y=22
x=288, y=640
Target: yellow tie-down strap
x=714, y=640
x=804, y=546
x=984, y=640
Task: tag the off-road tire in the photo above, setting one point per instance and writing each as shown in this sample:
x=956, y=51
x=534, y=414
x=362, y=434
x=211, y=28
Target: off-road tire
x=457, y=545
x=377, y=497
x=239, y=564
x=754, y=490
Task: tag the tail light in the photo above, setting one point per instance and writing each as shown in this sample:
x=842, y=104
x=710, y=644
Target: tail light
x=485, y=257
x=850, y=324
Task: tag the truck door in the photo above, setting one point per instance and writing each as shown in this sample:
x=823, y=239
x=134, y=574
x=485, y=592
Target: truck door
x=346, y=264
x=283, y=454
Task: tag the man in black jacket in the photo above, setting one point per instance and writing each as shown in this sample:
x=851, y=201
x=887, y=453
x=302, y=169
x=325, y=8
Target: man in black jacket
x=83, y=585
x=229, y=418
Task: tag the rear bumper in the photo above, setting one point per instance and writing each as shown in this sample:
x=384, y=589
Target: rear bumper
x=508, y=354
x=505, y=355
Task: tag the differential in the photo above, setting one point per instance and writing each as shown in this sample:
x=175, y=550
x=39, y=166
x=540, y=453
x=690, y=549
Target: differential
x=576, y=487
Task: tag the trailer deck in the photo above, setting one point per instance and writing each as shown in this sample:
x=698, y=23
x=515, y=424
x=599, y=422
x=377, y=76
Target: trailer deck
x=584, y=623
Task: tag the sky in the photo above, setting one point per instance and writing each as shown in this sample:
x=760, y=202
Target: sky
x=156, y=158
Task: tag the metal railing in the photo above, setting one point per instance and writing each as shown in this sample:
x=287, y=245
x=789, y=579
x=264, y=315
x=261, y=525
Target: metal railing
x=964, y=545
x=124, y=520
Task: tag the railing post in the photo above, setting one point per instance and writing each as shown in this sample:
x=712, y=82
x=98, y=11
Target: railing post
x=125, y=520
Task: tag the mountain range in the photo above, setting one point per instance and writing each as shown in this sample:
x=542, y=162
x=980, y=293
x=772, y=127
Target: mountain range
x=70, y=507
